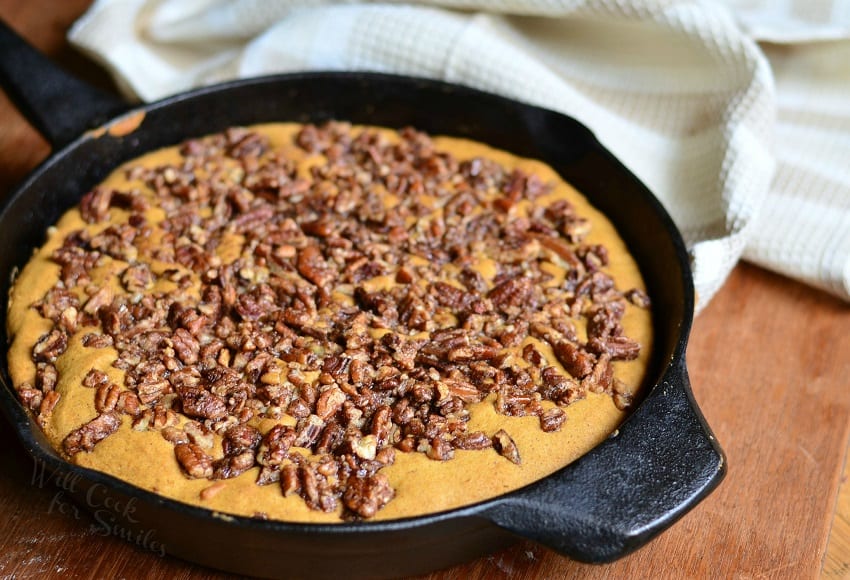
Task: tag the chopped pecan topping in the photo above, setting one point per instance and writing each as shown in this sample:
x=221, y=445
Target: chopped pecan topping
x=373, y=321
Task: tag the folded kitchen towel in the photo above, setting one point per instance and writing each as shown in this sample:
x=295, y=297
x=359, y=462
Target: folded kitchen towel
x=745, y=144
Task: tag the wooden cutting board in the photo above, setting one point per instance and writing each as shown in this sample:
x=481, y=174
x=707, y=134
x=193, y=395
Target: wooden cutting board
x=769, y=362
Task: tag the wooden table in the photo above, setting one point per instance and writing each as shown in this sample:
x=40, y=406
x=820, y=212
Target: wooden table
x=770, y=365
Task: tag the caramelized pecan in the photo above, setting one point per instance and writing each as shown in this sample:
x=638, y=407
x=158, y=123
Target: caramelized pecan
x=366, y=495
x=85, y=438
x=197, y=402
x=504, y=444
x=194, y=461
x=50, y=346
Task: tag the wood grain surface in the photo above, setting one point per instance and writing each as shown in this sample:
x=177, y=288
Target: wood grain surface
x=769, y=361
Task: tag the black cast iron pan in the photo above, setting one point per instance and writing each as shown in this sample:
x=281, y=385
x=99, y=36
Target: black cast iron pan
x=662, y=461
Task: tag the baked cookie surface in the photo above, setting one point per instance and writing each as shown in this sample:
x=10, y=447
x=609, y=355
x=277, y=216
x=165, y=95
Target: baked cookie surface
x=327, y=323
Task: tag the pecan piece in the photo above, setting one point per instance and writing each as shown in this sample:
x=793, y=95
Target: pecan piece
x=576, y=361
x=46, y=377
x=440, y=449
x=312, y=265
x=604, y=320
x=31, y=398
x=512, y=294
x=56, y=302
x=366, y=495
x=106, y=397
x=186, y=346
x=101, y=298
x=289, y=480
x=210, y=492
x=623, y=398
x=84, y=438
x=308, y=431
x=175, y=435
x=233, y=465
x=199, y=434
x=618, y=347
x=552, y=419
x=45, y=407
x=200, y=403
x=95, y=378
x=329, y=402
x=50, y=346
x=162, y=417
x=240, y=438
x=365, y=447
x=475, y=441
x=472, y=352
x=137, y=278
x=94, y=206
x=504, y=444
x=194, y=461
x=129, y=404
x=268, y=475
x=150, y=391
x=382, y=424
x=315, y=489
x=330, y=439
x=638, y=297
x=450, y=296
x=97, y=340
x=464, y=390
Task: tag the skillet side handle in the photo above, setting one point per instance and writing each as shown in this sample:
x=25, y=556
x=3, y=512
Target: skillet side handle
x=663, y=461
x=59, y=105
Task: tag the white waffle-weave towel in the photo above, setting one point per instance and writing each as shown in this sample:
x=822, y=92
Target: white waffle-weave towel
x=746, y=143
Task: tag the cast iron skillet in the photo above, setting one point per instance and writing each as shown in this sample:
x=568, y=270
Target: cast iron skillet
x=661, y=462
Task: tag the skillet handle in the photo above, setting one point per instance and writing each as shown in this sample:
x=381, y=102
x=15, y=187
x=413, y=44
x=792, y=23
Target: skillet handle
x=60, y=106
x=633, y=486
